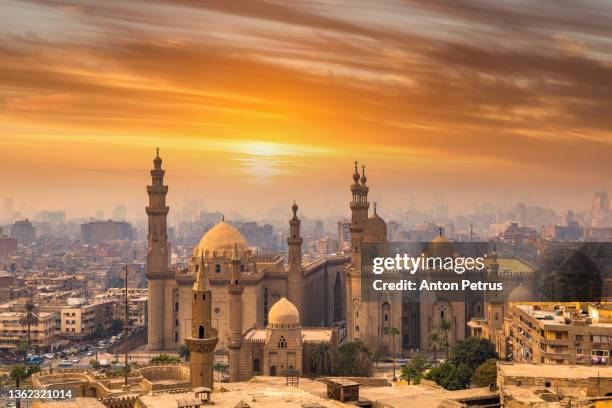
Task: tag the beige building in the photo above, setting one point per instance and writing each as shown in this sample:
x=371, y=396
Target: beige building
x=42, y=334
x=137, y=304
x=81, y=321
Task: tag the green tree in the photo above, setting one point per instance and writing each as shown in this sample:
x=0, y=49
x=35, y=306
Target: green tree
x=445, y=327
x=485, y=374
x=22, y=348
x=29, y=318
x=472, y=352
x=449, y=376
x=18, y=373
x=165, y=358
x=94, y=363
x=354, y=359
x=393, y=331
x=322, y=359
x=414, y=369
x=434, y=340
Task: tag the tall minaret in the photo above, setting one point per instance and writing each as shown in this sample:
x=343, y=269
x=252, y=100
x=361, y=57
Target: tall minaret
x=295, y=284
x=359, y=213
x=357, y=310
x=157, y=255
x=234, y=342
x=203, y=338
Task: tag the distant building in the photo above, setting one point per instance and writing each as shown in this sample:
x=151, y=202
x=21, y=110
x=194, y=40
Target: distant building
x=344, y=234
x=8, y=245
x=52, y=217
x=24, y=232
x=600, y=215
x=552, y=232
x=96, y=232
x=261, y=236
x=119, y=213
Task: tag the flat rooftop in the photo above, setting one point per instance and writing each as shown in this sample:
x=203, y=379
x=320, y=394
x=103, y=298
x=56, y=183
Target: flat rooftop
x=554, y=370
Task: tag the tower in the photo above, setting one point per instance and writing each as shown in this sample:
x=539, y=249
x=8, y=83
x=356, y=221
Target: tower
x=357, y=312
x=203, y=337
x=295, y=286
x=159, y=277
x=234, y=291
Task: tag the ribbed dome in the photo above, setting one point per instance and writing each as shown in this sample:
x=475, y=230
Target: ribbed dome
x=283, y=315
x=222, y=237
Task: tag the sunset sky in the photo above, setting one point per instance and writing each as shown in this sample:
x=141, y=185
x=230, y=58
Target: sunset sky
x=254, y=104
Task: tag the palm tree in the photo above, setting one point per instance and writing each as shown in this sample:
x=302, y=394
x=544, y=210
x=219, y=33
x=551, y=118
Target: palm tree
x=29, y=318
x=434, y=340
x=445, y=327
x=322, y=359
x=363, y=363
x=393, y=331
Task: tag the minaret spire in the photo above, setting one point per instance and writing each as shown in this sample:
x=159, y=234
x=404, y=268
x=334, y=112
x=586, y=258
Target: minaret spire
x=160, y=321
x=295, y=277
x=235, y=290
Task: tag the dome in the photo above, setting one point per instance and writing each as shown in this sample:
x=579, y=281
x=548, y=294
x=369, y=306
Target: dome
x=375, y=229
x=222, y=237
x=283, y=315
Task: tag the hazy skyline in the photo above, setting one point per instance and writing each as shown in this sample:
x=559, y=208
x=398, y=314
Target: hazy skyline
x=255, y=104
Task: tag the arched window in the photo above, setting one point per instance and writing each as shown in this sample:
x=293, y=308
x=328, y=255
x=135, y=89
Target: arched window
x=201, y=332
x=282, y=343
x=217, y=268
x=496, y=316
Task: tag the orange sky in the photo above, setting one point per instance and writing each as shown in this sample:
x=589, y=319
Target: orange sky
x=254, y=104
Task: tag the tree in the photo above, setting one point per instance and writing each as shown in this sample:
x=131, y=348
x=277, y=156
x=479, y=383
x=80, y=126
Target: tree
x=393, y=331
x=165, y=358
x=94, y=363
x=18, y=373
x=353, y=360
x=445, y=327
x=414, y=369
x=29, y=318
x=485, y=374
x=450, y=376
x=22, y=348
x=434, y=340
x=322, y=359
x=472, y=352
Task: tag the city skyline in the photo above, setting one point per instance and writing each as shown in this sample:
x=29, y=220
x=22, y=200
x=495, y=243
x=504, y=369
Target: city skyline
x=276, y=100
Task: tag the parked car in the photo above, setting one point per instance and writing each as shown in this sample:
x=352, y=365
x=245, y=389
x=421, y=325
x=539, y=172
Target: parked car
x=76, y=360
x=90, y=353
x=49, y=356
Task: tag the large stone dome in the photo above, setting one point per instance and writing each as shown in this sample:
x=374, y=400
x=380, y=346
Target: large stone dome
x=222, y=237
x=375, y=229
x=283, y=315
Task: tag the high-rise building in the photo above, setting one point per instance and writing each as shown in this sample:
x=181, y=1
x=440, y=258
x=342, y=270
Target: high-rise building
x=600, y=212
x=24, y=232
x=96, y=232
x=119, y=213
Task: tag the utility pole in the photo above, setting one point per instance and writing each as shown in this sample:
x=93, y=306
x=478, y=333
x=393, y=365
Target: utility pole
x=125, y=328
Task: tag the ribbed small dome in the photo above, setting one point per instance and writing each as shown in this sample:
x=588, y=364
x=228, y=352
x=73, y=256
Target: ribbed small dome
x=283, y=315
x=375, y=229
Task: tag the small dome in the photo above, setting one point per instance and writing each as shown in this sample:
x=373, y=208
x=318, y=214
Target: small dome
x=375, y=229
x=283, y=315
x=222, y=237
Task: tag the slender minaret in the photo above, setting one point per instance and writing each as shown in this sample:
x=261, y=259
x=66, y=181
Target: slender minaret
x=157, y=255
x=203, y=338
x=295, y=276
x=234, y=291
x=359, y=213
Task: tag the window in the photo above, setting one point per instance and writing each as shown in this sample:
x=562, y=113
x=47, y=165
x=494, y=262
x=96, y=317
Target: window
x=217, y=268
x=201, y=332
x=282, y=343
x=578, y=337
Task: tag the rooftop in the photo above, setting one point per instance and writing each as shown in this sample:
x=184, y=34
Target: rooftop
x=553, y=371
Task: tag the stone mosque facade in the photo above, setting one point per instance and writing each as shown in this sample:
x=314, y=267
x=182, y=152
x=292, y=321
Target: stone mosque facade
x=269, y=316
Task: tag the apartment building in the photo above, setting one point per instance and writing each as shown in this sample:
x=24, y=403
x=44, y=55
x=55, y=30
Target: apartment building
x=553, y=333
x=42, y=334
x=82, y=320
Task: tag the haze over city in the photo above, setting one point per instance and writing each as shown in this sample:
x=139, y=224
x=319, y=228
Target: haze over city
x=269, y=103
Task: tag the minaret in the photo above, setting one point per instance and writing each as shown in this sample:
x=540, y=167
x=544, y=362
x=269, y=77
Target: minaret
x=203, y=337
x=359, y=213
x=295, y=284
x=234, y=342
x=157, y=255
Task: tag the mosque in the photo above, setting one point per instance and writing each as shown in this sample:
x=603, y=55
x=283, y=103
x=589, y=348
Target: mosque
x=268, y=315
